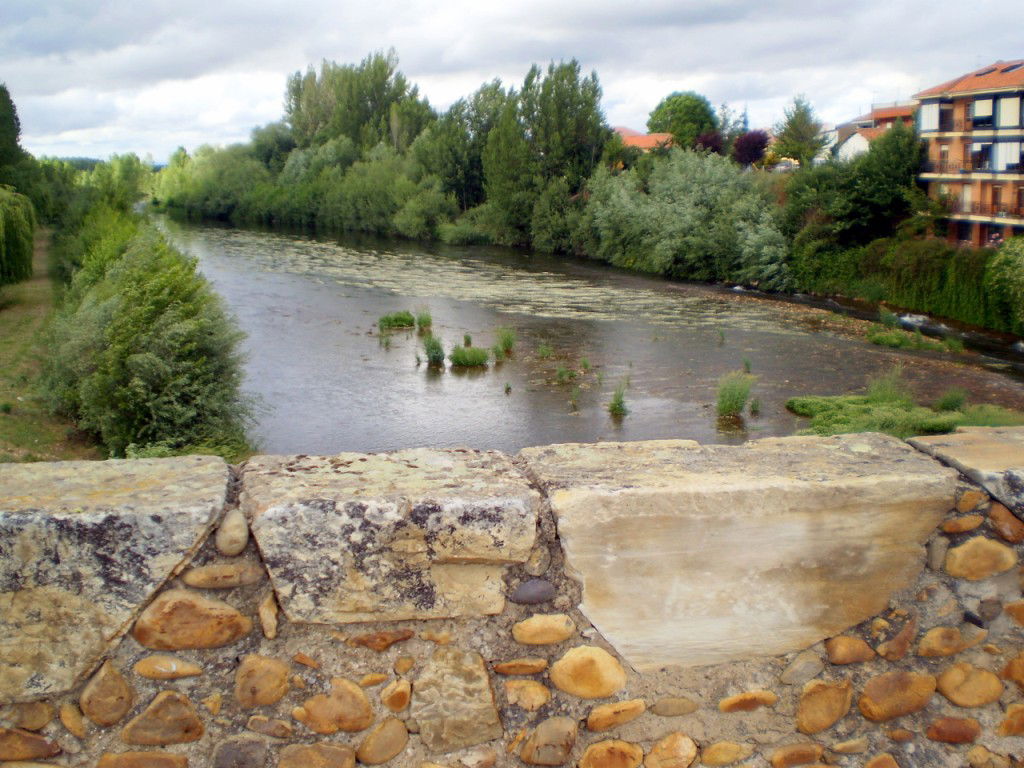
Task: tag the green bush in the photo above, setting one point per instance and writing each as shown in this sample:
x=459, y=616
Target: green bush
x=951, y=400
x=1004, y=284
x=434, y=351
x=617, y=405
x=733, y=392
x=424, y=320
x=506, y=340
x=17, y=226
x=402, y=319
x=468, y=357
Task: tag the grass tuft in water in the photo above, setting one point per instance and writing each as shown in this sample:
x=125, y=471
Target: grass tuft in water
x=434, y=351
x=565, y=375
x=585, y=364
x=617, y=405
x=403, y=319
x=755, y=407
x=468, y=357
x=733, y=392
x=498, y=354
x=467, y=340
x=508, y=388
x=506, y=340
x=424, y=320
x=574, y=398
x=544, y=351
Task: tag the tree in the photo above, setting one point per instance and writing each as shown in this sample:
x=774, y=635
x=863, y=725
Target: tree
x=511, y=177
x=10, y=130
x=798, y=136
x=685, y=115
x=749, y=147
x=731, y=126
x=271, y=145
x=711, y=141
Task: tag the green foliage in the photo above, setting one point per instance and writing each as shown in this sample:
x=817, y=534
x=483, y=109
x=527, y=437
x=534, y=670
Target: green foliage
x=511, y=178
x=400, y=319
x=467, y=340
x=733, y=392
x=271, y=145
x=434, y=350
x=686, y=115
x=897, y=339
x=142, y=351
x=564, y=375
x=1004, y=285
x=554, y=218
x=506, y=340
x=887, y=318
x=951, y=400
x=10, y=130
x=799, y=135
x=17, y=226
x=544, y=351
x=585, y=364
x=424, y=212
x=617, y=405
x=468, y=357
x=890, y=387
x=424, y=320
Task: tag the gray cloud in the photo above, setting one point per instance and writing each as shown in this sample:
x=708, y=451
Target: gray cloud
x=97, y=76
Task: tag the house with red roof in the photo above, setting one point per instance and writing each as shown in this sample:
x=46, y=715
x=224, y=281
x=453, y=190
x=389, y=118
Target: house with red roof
x=645, y=142
x=974, y=129
x=854, y=137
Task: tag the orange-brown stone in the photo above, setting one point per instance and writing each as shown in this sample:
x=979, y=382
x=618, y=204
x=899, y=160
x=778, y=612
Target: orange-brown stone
x=527, y=694
x=588, y=672
x=169, y=719
x=979, y=558
x=1015, y=611
x=968, y=686
x=381, y=641
x=260, y=681
x=527, y=665
x=72, y=719
x=543, y=629
x=384, y=742
x=396, y=694
x=1005, y=523
x=894, y=694
x=346, y=708
x=223, y=575
x=19, y=744
x=884, y=760
x=1014, y=670
x=962, y=524
x=725, y=753
x=151, y=759
x=954, y=730
x=941, y=641
x=823, y=704
x=676, y=750
x=162, y=667
x=550, y=743
x=796, y=754
x=1013, y=722
x=900, y=735
x=747, y=701
x=30, y=716
x=970, y=499
x=605, y=716
x=268, y=726
x=179, y=619
x=323, y=755
x=107, y=697
x=846, y=649
x=612, y=753
x=896, y=648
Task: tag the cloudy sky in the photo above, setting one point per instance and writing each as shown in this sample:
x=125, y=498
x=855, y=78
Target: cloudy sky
x=95, y=77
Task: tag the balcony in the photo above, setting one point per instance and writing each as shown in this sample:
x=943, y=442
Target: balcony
x=983, y=165
x=986, y=209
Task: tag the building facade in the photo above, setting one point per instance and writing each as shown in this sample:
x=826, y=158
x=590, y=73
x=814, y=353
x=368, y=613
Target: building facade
x=974, y=129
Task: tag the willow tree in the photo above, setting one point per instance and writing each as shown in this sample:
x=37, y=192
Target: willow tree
x=17, y=224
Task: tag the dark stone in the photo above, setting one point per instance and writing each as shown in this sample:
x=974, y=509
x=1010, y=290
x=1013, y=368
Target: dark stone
x=972, y=618
x=240, y=753
x=989, y=610
x=533, y=591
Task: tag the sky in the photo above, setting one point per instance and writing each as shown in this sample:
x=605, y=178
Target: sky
x=98, y=77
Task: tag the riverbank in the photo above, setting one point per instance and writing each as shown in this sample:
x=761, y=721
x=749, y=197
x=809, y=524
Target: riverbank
x=27, y=430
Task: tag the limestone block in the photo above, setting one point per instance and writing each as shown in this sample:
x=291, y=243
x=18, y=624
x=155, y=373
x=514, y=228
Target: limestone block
x=692, y=555
x=416, y=534
x=83, y=546
x=993, y=457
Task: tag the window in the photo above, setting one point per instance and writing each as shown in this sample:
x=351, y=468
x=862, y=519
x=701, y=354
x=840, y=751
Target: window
x=981, y=113
x=1013, y=67
x=1006, y=156
x=1009, y=112
x=981, y=156
x=929, y=116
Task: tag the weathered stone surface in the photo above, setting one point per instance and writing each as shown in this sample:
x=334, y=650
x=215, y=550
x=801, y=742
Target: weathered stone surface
x=896, y=647
x=526, y=665
x=169, y=719
x=612, y=753
x=941, y=641
x=19, y=744
x=240, y=753
x=696, y=555
x=380, y=641
x=725, y=753
x=605, y=716
x=1014, y=670
x=1005, y=523
x=970, y=499
x=954, y=730
x=107, y=697
x=894, y=694
x=747, y=701
x=796, y=754
x=981, y=757
x=823, y=704
x=323, y=755
x=453, y=702
x=527, y=694
x=72, y=719
x=180, y=619
x=962, y=524
x=851, y=746
x=674, y=706
x=396, y=695
x=31, y=716
x=543, y=629
x=404, y=664
x=162, y=667
x=371, y=679
x=847, y=649
x=550, y=743
x=276, y=729
x=993, y=457
x=533, y=591
x=676, y=750
x=968, y=686
x=979, y=558
x=345, y=708
x=83, y=546
x=588, y=672
x=1013, y=723
x=415, y=534
x=232, y=533
x=386, y=740
x=223, y=575
x=260, y=681
x=151, y=759
x=267, y=613
x=806, y=665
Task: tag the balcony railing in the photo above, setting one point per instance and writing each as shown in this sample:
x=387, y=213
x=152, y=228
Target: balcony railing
x=986, y=209
x=985, y=166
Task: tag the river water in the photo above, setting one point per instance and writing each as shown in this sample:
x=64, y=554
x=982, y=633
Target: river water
x=328, y=382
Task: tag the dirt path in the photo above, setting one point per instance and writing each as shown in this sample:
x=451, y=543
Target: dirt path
x=27, y=431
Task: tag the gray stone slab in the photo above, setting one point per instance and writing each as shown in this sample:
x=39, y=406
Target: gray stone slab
x=416, y=534
x=692, y=555
x=83, y=547
x=993, y=457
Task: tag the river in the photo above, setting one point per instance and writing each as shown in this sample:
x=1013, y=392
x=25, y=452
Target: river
x=328, y=382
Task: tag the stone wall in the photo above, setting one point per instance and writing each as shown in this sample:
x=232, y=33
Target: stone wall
x=849, y=601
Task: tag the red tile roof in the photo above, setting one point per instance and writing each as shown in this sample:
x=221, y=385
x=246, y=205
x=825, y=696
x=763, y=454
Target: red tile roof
x=1002, y=74
x=643, y=141
x=889, y=113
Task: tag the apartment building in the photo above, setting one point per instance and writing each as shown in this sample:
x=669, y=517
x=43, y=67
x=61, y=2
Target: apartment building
x=974, y=129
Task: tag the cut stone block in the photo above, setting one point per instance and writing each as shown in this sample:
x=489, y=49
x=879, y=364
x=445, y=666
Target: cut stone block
x=993, y=457
x=84, y=545
x=692, y=555
x=416, y=534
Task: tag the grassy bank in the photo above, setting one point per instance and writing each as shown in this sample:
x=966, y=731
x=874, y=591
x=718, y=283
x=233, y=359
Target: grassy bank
x=27, y=431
